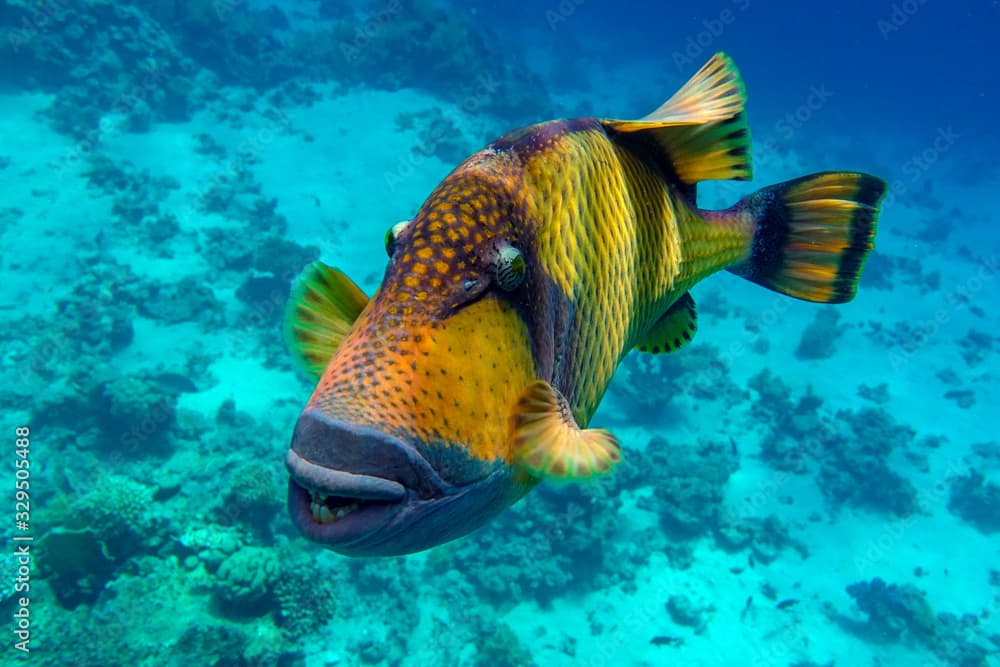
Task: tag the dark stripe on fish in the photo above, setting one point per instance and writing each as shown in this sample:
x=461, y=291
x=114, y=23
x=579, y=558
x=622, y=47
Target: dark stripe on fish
x=645, y=147
x=870, y=191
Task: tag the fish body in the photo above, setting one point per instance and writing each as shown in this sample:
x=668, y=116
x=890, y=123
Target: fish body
x=513, y=294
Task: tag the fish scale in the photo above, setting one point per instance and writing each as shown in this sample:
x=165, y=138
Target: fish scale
x=617, y=255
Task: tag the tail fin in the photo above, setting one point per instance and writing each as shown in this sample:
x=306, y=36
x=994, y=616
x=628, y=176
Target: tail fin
x=813, y=234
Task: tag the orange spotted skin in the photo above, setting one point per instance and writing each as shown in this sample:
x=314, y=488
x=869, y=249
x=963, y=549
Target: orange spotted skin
x=438, y=357
x=441, y=354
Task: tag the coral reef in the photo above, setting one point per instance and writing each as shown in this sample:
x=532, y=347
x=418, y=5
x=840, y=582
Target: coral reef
x=244, y=583
x=897, y=611
x=790, y=442
x=438, y=135
x=884, y=271
x=685, y=612
x=305, y=601
x=689, y=483
x=254, y=497
x=77, y=565
x=647, y=386
x=154, y=615
x=415, y=43
x=187, y=300
x=136, y=414
x=562, y=532
x=976, y=500
x=501, y=648
x=96, y=534
x=209, y=546
x=766, y=538
x=112, y=68
x=818, y=339
x=136, y=193
x=878, y=394
x=122, y=68
x=850, y=448
x=977, y=346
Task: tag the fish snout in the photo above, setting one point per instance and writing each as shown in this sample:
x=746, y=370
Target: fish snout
x=335, y=457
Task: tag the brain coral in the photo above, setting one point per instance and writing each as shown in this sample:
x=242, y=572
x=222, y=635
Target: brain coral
x=244, y=584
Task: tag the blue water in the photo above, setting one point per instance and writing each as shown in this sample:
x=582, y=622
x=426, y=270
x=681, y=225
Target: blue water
x=802, y=485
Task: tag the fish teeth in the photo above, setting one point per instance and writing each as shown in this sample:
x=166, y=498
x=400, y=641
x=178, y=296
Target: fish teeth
x=322, y=514
x=345, y=510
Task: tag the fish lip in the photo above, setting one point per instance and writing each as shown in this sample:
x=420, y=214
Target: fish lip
x=331, y=482
x=335, y=445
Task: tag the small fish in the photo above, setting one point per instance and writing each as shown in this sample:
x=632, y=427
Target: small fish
x=786, y=603
x=666, y=640
x=175, y=382
x=746, y=607
x=513, y=294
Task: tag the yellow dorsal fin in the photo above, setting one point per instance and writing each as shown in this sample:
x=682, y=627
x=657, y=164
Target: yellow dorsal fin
x=702, y=130
x=322, y=308
x=548, y=442
x=674, y=329
x=715, y=92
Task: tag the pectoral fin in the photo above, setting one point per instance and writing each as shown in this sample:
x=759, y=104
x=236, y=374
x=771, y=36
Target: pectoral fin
x=322, y=308
x=548, y=442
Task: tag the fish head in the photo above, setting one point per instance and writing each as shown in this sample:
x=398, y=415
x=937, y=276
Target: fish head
x=406, y=442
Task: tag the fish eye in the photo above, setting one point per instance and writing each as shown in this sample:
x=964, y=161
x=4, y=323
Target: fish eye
x=510, y=268
x=391, y=234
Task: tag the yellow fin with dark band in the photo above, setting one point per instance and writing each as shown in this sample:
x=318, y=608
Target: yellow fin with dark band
x=322, y=308
x=548, y=442
x=813, y=234
x=674, y=329
x=701, y=131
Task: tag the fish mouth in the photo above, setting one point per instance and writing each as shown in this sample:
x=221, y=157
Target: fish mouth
x=362, y=492
x=335, y=507
x=355, y=489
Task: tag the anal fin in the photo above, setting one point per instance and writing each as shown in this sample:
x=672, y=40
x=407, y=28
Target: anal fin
x=674, y=329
